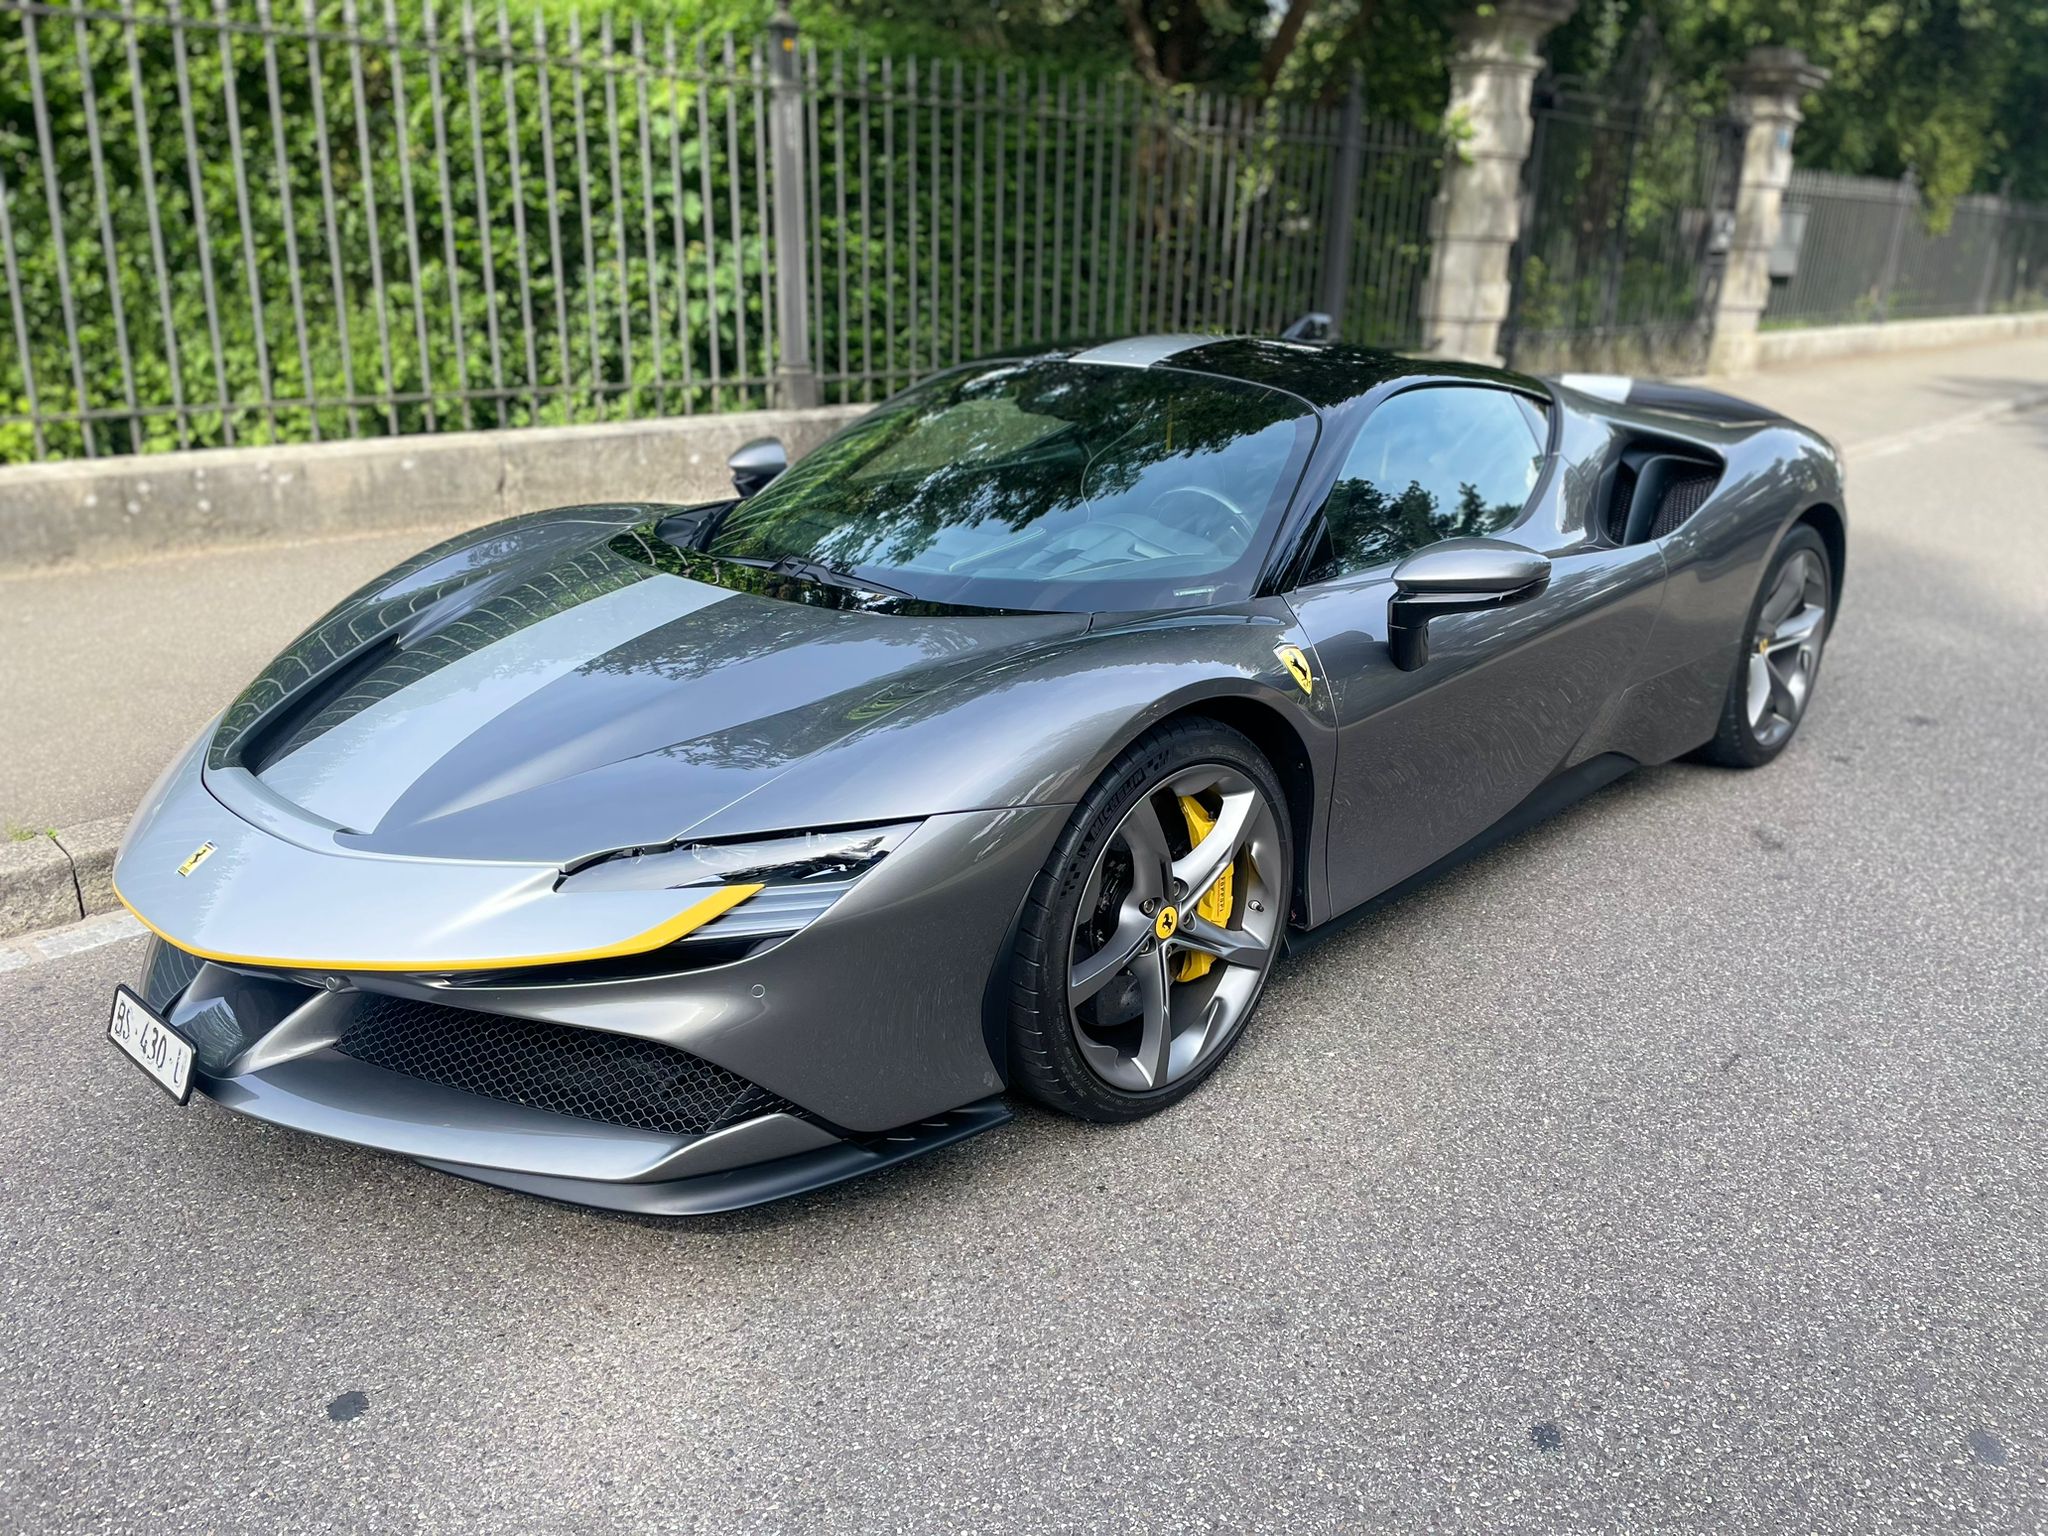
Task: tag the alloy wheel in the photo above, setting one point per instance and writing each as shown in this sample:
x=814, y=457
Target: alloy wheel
x=1178, y=924
x=1784, y=652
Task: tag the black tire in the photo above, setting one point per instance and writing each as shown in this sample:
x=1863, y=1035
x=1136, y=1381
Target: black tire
x=1736, y=743
x=1045, y=1061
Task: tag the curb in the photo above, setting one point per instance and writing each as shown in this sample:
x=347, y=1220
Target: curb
x=59, y=877
x=68, y=512
x=74, y=938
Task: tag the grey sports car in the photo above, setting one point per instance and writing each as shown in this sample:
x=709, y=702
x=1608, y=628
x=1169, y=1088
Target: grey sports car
x=675, y=858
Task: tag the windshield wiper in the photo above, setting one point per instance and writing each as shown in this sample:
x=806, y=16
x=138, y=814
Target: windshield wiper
x=805, y=569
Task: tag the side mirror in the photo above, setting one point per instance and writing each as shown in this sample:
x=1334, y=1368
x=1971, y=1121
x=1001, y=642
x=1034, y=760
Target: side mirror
x=754, y=464
x=1456, y=576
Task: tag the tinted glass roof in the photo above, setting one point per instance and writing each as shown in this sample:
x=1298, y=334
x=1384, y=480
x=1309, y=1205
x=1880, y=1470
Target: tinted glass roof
x=1326, y=374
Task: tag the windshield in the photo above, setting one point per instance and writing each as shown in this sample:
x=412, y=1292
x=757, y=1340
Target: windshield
x=1061, y=487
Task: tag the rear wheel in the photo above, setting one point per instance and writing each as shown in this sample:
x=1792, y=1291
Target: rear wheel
x=1780, y=660
x=1149, y=935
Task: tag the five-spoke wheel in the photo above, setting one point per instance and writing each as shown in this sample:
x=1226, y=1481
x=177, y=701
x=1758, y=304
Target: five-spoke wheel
x=1175, y=928
x=1780, y=659
x=1791, y=626
x=1151, y=932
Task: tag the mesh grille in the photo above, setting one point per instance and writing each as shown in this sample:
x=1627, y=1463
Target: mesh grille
x=166, y=971
x=1682, y=497
x=618, y=1079
x=1624, y=496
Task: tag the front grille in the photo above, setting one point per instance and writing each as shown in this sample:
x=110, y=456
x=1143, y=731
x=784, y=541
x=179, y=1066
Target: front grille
x=166, y=971
x=587, y=1073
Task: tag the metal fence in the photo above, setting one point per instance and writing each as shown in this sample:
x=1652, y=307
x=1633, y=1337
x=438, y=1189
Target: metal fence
x=1856, y=248
x=1010, y=210
x=240, y=226
x=1627, y=209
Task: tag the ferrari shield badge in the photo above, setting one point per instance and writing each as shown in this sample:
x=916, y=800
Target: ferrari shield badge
x=1296, y=663
x=199, y=856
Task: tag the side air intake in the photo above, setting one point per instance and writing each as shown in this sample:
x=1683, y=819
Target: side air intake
x=1684, y=494
x=1654, y=489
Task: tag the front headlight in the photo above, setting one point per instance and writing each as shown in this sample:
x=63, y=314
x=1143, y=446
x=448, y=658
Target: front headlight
x=801, y=856
x=798, y=875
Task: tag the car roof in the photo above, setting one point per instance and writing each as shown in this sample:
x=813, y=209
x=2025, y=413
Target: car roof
x=1325, y=374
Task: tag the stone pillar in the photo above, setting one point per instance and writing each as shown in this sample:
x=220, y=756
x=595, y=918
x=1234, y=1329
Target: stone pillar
x=1764, y=94
x=1478, y=209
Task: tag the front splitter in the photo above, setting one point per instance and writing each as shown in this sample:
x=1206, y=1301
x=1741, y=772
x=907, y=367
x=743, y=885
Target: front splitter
x=758, y=1183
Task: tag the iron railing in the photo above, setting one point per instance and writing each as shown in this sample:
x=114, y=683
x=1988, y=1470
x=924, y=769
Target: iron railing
x=981, y=210
x=1858, y=248
x=251, y=222
x=1627, y=209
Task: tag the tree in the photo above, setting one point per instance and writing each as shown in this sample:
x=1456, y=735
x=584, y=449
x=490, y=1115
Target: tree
x=1956, y=91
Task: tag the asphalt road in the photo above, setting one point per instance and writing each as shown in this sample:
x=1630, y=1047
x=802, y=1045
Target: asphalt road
x=1682, y=1166
x=105, y=672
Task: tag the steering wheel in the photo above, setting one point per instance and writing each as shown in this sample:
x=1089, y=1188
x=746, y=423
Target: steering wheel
x=1201, y=521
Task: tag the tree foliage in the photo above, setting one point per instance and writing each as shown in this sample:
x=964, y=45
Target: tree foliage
x=1954, y=91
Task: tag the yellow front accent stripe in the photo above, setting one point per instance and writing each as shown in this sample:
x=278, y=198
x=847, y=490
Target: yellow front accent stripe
x=689, y=920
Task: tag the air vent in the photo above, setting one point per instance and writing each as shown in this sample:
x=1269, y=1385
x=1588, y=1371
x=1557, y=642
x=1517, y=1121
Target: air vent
x=1683, y=496
x=585, y=1073
x=1618, y=504
x=1656, y=487
x=167, y=971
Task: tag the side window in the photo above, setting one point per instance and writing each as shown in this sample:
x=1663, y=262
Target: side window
x=1440, y=462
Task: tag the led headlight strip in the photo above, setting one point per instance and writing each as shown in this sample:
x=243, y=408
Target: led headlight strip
x=781, y=860
x=794, y=878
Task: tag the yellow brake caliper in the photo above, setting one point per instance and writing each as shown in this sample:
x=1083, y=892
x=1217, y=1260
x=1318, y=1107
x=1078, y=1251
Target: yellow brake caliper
x=1214, y=905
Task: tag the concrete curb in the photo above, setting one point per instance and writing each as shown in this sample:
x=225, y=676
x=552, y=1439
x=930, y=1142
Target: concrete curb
x=98, y=511
x=91, y=846
x=36, y=887
x=74, y=938
x=58, y=877
x=1794, y=345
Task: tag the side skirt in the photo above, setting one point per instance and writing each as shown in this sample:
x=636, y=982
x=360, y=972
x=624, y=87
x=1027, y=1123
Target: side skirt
x=1545, y=801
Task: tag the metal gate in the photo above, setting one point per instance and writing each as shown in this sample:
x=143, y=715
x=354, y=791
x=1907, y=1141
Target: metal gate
x=1627, y=209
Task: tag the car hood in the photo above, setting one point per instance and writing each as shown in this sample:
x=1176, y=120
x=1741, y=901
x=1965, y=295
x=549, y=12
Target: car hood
x=556, y=689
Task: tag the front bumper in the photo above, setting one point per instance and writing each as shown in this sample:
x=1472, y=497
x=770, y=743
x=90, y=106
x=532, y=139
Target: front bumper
x=869, y=1035
x=584, y=1116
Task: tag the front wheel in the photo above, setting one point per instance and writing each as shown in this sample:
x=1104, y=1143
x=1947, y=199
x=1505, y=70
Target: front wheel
x=1780, y=659
x=1149, y=935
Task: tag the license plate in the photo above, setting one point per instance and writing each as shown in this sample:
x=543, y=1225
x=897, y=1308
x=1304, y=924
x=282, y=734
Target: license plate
x=151, y=1044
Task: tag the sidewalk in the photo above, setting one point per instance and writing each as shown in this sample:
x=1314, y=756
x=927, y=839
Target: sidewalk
x=105, y=673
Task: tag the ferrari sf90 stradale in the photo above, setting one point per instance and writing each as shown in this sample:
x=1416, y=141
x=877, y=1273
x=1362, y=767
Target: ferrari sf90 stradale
x=674, y=858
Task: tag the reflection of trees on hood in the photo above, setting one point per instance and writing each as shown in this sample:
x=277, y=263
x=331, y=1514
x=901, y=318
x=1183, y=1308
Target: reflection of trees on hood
x=1007, y=446
x=1374, y=527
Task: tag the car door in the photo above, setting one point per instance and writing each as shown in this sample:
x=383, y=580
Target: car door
x=1509, y=696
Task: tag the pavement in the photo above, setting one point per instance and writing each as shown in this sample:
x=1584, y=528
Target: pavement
x=109, y=670
x=1680, y=1166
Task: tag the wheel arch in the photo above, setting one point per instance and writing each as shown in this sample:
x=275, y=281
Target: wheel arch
x=1282, y=745
x=1826, y=520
